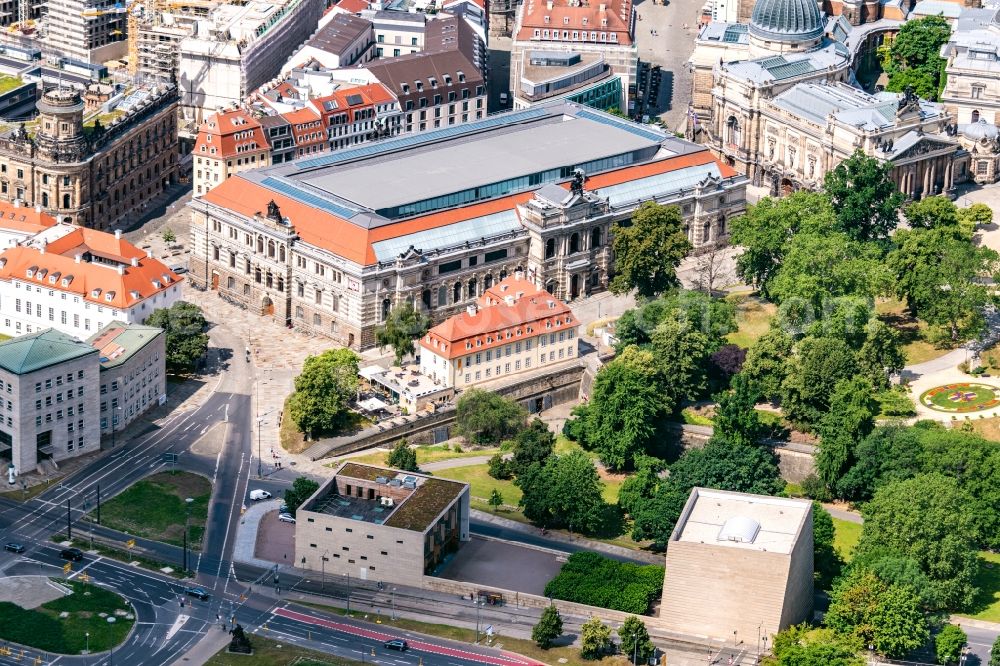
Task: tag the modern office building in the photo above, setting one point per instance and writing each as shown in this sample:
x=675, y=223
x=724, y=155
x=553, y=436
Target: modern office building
x=76, y=280
x=739, y=566
x=584, y=78
x=514, y=327
x=133, y=373
x=331, y=244
x=381, y=524
x=48, y=393
x=96, y=175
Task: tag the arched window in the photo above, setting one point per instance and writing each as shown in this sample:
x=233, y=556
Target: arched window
x=271, y=249
x=595, y=237
x=574, y=243
x=487, y=282
x=550, y=248
x=66, y=201
x=281, y=253
x=257, y=276
x=975, y=116
x=425, y=298
x=456, y=292
x=386, y=307
x=442, y=295
x=472, y=288
x=550, y=286
x=733, y=126
x=269, y=280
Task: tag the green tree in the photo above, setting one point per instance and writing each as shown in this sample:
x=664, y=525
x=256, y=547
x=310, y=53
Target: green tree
x=532, y=445
x=767, y=363
x=595, y=638
x=499, y=467
x=322, y=390
x=168, y=235
x=496, y=499
x=485, y=417
x=403, y=325
x=931, y=213
x=401, y=456
x=549, y=628
x=864, y=197
x=889, y=453
x=851, y=417
x=634, y=639
x=766, y=228
x=930, y=519
x=715, y=317
x=648, y=250
x=826, y=560
x=626, y=406
x=642, y=485
x=301, y=490
x=948, y=644
x=887, y=617
x=801, y=645
x=914, y=58
x=563, y=492
x=682, y=354
x=995, y=653
x=813, y=374
x=736, y=418
x=881, y=354
x=186, y=341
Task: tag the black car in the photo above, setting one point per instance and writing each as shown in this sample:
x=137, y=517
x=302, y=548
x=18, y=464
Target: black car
x=396, y=644
x=72, y=554
x=13, y=547
x=197, y=593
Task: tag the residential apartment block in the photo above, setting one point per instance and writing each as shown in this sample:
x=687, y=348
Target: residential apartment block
x=515, y=327
x=75, y=279
x=344, y=40
x=48, y=399
x=133, y=373
x=332, y=243
x=375, y=523
x=228, y=142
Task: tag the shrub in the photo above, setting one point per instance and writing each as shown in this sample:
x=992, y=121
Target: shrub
x=963, y=367
x=814, y=488
x=499, y=468
x=589, y=578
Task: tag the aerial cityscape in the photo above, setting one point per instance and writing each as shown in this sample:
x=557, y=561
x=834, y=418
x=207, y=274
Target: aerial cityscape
x=503, y=332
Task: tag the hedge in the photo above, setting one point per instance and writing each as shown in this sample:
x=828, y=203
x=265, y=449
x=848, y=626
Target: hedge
x=589, y=578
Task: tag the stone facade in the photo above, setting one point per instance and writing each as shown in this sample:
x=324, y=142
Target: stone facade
x=94, y=176
x=133, y=372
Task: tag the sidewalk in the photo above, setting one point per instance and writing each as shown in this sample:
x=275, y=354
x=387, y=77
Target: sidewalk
x=204, y=649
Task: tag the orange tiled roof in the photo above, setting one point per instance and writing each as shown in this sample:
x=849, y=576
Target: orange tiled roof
x=354, y=243
x=23, y=218
x=82, y=240
x=532, y=312
x=371, y=95
x=220, y=132
x=94, y=282
x=581, y=17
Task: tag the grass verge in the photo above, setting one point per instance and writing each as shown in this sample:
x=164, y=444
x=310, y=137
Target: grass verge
x=987, y=428
x=87, y=610
x=120, y=554
x=32, y=492
x=268, y=652
x=845, y=537
x=425, y=454
x=294, y=441
x=555, y=655
x=988, y=581
x=155, y=508
x=910, y=330
x=753, y=319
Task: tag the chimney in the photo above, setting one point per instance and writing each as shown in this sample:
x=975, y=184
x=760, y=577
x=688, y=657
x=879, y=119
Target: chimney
x=549, y=5
x=149, y=254
x=121, y=269
x=135, y=261
x=472, y=310
x=38, y=208
x=508, y=299
x=518, y=275
x=602, y=7
x=41, y=248
x=17, y=203
x=118, y=234
x=77, y=258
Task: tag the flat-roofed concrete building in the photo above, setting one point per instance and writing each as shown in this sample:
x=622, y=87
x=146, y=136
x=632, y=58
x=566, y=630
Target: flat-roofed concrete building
x=738, y=564
x=49, y=398
x=381, y=524
x=133, y=371
x=332, y=243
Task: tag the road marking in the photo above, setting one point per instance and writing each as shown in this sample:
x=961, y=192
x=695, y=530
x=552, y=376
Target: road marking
x=176, y=626
x=87, y=566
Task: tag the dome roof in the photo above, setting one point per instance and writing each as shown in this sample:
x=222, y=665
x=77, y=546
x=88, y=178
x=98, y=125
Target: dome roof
x=980, y=130
x=786, y=20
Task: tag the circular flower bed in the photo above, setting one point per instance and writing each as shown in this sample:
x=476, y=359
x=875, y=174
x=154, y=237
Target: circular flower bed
x=961, y=398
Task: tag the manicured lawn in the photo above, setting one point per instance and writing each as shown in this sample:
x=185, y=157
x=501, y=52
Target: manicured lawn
x=268, y=652
x=425, y=454
x=917, y=350
x=155, y=508
x=8, y=83
x=483, y=484
x=42, y=628
x=845, y=537
x=987, y=605
x=961, y=397
x=691, y=417
x=753, y=319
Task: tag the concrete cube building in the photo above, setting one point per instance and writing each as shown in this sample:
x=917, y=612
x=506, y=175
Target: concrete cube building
x=738, y=566
x=381, y=524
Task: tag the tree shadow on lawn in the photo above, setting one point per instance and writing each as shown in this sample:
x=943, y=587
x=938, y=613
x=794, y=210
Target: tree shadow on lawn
x=988, y=582
x=612, y=524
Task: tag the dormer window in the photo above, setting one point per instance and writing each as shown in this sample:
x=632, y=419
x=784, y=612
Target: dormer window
x=134, y=294
x=156, y=284
x=546, y=19
x=31, y=271
x=585, y=20
x=54, y=278
x=96, y=293
x=66, y=280
x=166, y=278
x=42, y=273
x=565, y=20
x=110, y=296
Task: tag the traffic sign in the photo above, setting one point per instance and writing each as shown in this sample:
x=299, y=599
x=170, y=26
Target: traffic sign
x=84, y=577
x=130, y=543
x=489, y=630
x=67, y=567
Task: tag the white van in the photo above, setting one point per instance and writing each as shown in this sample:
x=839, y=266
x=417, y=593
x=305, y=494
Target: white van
x=259, y=494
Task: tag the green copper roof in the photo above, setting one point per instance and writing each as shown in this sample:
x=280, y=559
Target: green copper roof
x=786, y=20
x=35, y=351
x=119, y=341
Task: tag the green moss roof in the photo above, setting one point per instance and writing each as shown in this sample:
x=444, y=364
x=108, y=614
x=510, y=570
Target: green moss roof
x=365, y=472
x=8, y=83
x=425, y=504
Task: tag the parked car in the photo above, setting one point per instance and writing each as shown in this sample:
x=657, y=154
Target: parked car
x=259, y=494
x=72, y=554
x=396, y=644
x=13, y=547
x=180, y=270
x=197, y=593
x=286, y=518
x=283, y=508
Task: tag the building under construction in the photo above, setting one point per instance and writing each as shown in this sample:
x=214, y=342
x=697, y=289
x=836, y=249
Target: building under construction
x=90, y=31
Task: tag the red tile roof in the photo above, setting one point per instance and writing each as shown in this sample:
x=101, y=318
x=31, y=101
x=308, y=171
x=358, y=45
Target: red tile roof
x=570, y=15
x=24, y=219
x=230, y=133
x=512, y=310
x=371, y=95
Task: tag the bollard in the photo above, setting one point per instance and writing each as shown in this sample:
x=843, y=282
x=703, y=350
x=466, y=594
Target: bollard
x=373, y=650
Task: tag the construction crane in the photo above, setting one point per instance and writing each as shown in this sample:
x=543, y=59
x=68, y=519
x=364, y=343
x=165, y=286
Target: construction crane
x=135, y=12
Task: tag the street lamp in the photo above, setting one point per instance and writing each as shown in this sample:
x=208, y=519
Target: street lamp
x=187, y=520
x=322, y=566
x=260, y=461
x=635, y=647
x=394, y=604
x=87, y=634
x=348, y=594
x=479, y=605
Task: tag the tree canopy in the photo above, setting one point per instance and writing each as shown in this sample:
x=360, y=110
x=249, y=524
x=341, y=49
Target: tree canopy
x=322, y=390
x=565, y=491
x=302, y=488
x=914, y=57
x=864, y=197
x=403, y=325
x=648, y=250
x=186, y=341
x=485, y=417
x=403, y=457
x=548, y=628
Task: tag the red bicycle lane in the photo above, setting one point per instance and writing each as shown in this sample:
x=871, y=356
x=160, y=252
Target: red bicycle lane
x=503, y=659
